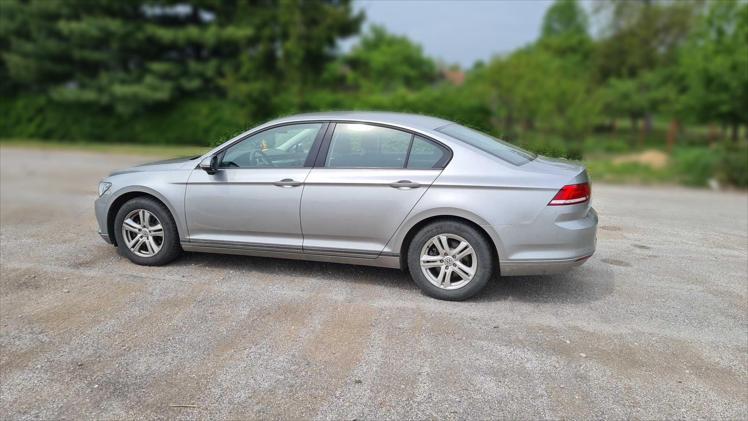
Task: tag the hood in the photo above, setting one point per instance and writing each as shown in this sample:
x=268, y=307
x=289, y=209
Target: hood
x=164, y=165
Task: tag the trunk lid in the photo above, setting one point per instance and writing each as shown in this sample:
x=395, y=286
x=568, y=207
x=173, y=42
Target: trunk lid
x=568, y=171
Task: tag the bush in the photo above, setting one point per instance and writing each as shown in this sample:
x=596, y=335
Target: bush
x=610, y=144
x=695, y=166
x=551, y=146
x=733, y=167
x=727, y=163
x=190, y=122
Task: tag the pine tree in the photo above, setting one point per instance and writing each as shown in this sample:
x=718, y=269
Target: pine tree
x=129, y=54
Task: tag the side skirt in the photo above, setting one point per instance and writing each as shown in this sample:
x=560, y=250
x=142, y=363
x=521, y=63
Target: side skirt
x=333, y=256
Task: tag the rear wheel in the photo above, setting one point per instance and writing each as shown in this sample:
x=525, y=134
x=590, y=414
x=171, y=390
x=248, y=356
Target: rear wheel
x=450, y=260
x=146, y=232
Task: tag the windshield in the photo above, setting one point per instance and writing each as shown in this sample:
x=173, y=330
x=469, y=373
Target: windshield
x=490, y=144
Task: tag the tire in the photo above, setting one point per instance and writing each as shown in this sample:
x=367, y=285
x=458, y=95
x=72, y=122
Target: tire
x=151, y=251
x=454, y=285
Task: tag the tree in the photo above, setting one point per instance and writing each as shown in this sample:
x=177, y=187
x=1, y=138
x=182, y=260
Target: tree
x=642, y=35
x=546, y=85
x=642, y=38
x=383, y=61
x=565, y=34
x=128, y=55
x=565, y=18
x=541, y=90
x=296, y=42
x=715, y=63
x=635, y=97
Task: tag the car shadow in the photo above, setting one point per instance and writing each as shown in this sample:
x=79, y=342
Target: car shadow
x=589, y=283
x=580, y=285
x=269, y=266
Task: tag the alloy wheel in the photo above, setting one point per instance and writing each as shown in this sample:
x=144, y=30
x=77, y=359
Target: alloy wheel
x=143, y=233
x=448, y=261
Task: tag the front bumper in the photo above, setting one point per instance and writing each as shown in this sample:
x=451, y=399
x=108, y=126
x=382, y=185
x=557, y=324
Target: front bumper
x=105, y=237
x=101, y=209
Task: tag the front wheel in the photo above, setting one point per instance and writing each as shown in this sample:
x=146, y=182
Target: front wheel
x=146, y=232
x=450, y=260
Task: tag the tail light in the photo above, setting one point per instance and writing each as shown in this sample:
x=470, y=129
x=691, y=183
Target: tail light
x=571, y=194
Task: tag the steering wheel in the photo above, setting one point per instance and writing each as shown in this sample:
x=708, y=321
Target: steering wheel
x=259, y=155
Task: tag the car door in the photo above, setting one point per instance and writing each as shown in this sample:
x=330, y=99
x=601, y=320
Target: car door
x=254, y=197
x=363, y=187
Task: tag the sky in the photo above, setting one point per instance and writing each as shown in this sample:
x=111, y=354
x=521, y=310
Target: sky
x=459, y=31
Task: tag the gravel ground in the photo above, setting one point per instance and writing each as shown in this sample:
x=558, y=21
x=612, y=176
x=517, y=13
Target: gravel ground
x=655, y=325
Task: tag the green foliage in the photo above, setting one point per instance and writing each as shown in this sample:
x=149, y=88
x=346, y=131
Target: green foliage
x=696, y=165
x=693, y=166
x=166, y=151
x=726, y=163
x=132, y=55
x=641, y=36
x=733, y=167
x=605, y=170
x=565, y=18
x=553, y=147
x=635, y=97
x=199, y=71
x=519, y=91
x=715, y=62
x=382, y=61
x=190, y=122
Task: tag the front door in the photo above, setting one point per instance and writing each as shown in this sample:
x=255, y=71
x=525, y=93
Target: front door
x=371, y=179
x=254, y=197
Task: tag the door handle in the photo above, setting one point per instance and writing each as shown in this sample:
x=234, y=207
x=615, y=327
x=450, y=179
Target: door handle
x=405, y=184
x=287, y=182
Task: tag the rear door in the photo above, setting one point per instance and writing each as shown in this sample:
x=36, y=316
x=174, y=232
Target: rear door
x=366, y=180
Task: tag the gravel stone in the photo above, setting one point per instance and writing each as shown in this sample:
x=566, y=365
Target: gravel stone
x=232, y=337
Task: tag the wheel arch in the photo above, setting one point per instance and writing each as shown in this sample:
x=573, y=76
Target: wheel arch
x=126, y=196
x=416, y=224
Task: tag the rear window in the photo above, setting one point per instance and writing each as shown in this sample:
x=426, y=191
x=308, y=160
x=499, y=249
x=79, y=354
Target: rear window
x=367, y=146
x=490, y=144
x=425, y=155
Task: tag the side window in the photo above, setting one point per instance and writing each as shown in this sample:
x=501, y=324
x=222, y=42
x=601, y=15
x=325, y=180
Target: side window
x=281, y=147
x=424, y=154
x=366, y=146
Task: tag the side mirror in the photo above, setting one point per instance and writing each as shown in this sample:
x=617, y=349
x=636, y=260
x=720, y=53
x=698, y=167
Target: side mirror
x=210, y=164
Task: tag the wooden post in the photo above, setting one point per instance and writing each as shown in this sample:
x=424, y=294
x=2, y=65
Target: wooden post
x=734, y=132
x=672, y=134
x=712, y=136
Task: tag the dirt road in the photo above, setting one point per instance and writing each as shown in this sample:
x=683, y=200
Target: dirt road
x=655, y=325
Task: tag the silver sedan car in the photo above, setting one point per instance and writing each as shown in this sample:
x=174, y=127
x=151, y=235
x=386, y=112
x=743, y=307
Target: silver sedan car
x=451, y=205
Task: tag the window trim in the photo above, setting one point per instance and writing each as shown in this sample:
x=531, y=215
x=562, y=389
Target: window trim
x=325, y=148
x=310, y=158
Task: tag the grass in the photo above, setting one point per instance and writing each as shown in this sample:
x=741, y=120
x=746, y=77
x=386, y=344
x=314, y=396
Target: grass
x=114, y=148
x=603, y=168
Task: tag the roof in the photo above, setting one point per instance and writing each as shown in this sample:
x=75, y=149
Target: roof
x=415, y=121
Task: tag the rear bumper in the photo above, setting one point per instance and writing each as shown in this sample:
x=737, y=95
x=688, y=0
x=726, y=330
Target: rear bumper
x=540, y=267
x=556, y=242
